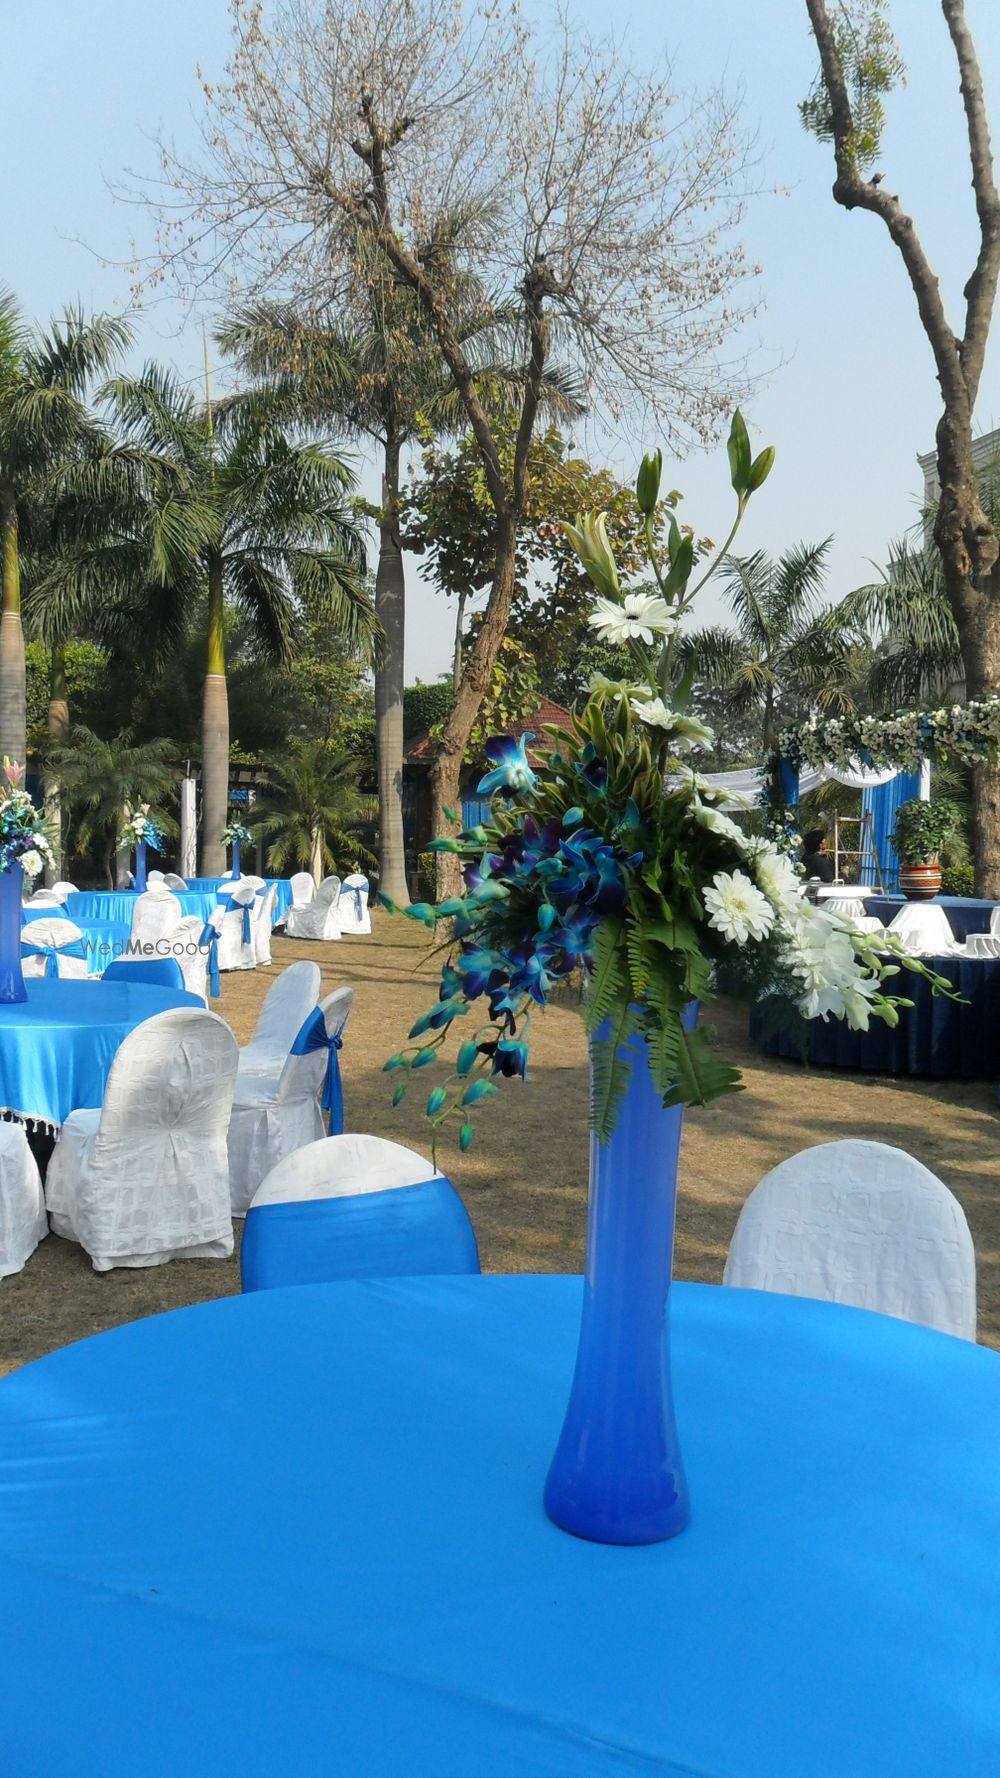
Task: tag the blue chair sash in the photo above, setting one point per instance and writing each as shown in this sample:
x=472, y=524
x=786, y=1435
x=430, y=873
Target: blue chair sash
x=210, y=938
x=226, y=901
x=403, y=1232
x=52, y=953
x=359, y=900
x=313, y=1036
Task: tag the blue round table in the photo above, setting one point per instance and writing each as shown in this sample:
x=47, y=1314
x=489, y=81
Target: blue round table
x=57, y=1047
x=201, y=898
x=300, y=1532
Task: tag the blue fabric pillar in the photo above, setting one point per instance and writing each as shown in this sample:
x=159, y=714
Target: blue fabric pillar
x=789, y=783
x=882, y=802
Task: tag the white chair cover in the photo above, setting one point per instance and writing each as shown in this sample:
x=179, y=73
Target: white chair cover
x=191, y=955
x=63, y=889
x=173, y=881
x=157, y=913
x=303, y=888
x=23, y=1222
x=263, y=920
x=155, y=878
x=287, y=1005
x=254, y=882
x=268, y=1122
x=146, y=1179
x=45, y=898
x=352, y=907
x=860, y=1223
x=321, y=919
x=923, y=928
x=234, y=951
x=55, y=932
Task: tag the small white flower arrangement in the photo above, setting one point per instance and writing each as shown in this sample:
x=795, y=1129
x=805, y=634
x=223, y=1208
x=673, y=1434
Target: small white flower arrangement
x=22, y=840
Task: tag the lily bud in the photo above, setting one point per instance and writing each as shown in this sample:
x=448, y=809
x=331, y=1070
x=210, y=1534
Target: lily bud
x=739, y=454
x=647, y=482
x=760, y=469
x=590, y=541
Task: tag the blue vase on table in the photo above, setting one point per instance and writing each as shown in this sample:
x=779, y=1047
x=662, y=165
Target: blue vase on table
x=140, y=867
x=236, y=859
x=12, y=986
x=617, y=1475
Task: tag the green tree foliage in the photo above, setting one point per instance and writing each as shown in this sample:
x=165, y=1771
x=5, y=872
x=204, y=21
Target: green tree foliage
x=98, y=777
x=87, y=670
x=308, y=809
x=872, y=67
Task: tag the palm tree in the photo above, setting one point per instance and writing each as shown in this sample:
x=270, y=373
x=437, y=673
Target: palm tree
x=785, y=652
x=917, y=658
x=97, y=778
x=312, y=811
x=383, y=379
x=44, y=424
x=223, y=510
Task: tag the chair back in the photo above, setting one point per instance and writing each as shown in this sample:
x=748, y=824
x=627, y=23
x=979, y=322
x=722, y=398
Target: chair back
x=152, y=972
x=303, y=888
x=307, y=1070
x=253, y=883
x=263, y=921
x=64, y=889
x=45, y=898
x=287, y=1004
x=329, y=891
x=155, y=878
x=355, y=1207
x=52, y=947
x=860, y=1223
x=157, y=914
x=173, y=881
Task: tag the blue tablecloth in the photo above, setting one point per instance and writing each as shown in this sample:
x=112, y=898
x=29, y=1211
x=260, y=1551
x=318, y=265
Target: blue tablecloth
x=301, y=1532
x=964, y=914
x=57, y=1046
x=103, y=940
x=936, y=1036
x=118, y=904
x=283, y=899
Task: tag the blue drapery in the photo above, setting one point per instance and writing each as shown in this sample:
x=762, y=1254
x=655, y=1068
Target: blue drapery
x=881, y=801
x=410, y=1230
x=210, y=938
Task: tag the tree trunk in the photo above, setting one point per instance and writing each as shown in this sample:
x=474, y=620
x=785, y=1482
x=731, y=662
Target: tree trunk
x=446, y=771
x=214, y=734
x=58, y=726
x=316, y=860
x=390, y=609
x=456, y=664
x=13, y=696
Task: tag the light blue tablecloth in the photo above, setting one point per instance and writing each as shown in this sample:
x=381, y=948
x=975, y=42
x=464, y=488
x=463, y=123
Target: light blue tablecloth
x=103, y=940
x=118, y=904
x=57, y=1046
x=283, y=899
x=301, y=1532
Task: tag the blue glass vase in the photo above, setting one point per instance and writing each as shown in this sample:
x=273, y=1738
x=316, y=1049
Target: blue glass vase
x=617, y=1475
x=11, y=979
x=236, y=859
x=140, y=867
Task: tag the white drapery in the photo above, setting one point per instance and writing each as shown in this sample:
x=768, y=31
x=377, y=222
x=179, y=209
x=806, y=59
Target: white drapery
x=744, y=785
x=188, y=865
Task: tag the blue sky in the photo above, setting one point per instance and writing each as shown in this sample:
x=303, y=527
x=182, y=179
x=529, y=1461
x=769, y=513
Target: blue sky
x=853, y=398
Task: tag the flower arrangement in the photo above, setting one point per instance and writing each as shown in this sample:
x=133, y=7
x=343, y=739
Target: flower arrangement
x=607, y=851
x=22, y=840
x=236, y=834
x=137, y=827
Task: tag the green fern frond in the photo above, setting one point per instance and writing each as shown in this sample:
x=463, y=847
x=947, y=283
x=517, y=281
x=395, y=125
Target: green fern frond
x=607, y=980
x=684, y=1070
x=611, y=1069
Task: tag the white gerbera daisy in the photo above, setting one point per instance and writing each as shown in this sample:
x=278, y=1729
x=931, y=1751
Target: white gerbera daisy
x=736, y=908
x=639, y=617
x=31, y=863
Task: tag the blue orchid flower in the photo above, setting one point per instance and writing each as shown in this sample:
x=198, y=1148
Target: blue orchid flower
x=511, y=771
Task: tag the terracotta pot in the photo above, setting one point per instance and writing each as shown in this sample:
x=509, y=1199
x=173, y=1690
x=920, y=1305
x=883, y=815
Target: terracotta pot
x=920, y=882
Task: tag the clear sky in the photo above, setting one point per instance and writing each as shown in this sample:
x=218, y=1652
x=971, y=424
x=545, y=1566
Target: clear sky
x=853, y=397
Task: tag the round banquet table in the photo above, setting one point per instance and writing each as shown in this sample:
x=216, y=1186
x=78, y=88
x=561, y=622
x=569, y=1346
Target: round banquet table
x=283, y=899
x=935, y=1037
x=57, y=1047
x=964, y=913
x=301, y=1531
x=103, y=940
x=201, y=899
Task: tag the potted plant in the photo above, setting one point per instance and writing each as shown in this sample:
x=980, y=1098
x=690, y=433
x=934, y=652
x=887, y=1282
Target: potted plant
x=922, y=829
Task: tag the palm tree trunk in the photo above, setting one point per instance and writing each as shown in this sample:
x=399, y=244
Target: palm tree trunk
x=214, y=733
x=58, y=725
x=13, y=695
x=390, y=609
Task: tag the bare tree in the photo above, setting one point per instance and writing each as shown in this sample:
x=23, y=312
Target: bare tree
x=593, y=207
x=858, y=63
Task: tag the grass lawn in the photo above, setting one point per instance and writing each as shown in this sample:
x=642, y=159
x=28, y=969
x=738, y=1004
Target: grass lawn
x=524, y=1180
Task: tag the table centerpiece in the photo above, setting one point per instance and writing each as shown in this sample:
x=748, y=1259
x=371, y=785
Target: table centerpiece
x=609, y=853
x=140, y=831
x=24, y=851
x=236, y=835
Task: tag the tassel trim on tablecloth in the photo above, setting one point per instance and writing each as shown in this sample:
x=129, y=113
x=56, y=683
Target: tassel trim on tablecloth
x=37, y=1125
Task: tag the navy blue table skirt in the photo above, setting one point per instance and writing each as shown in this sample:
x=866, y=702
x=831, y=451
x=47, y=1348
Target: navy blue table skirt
x=935, y=1036
x=964, y=914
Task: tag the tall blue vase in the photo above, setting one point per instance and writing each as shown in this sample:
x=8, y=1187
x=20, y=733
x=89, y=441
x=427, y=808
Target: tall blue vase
x=236, y=859
x=11, y=979
x=617, y=1475
x=140, y=867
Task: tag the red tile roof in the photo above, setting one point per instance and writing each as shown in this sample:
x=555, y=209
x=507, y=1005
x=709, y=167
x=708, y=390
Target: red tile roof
x=422, y=751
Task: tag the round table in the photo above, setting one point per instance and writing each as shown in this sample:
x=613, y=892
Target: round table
x=301, y=1532
x=201, y=898
x=936, y=1037
x=57, y=1047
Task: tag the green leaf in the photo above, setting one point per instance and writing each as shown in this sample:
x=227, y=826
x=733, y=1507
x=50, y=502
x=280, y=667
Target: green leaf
x=607, y=980
x=611, y=1068
x=684, y=1069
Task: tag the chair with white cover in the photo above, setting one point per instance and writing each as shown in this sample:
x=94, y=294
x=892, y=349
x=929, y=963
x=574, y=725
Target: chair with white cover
x=45, y=898
x=156, y=879
x=63, y=889
x=287, y=1005
x=146, y=1179
x=321, y=919
x=860, y=1223
x=352, y=907
x=157, y=914
x=922, y=928
x=254, y=882
x=53, y=947
x=233, y=921
x=303, y=888
x=191, y=954
x=262, y=921
x=23, y=1222
x=173, y=881
x=354, y=1207
x=271, y=1121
